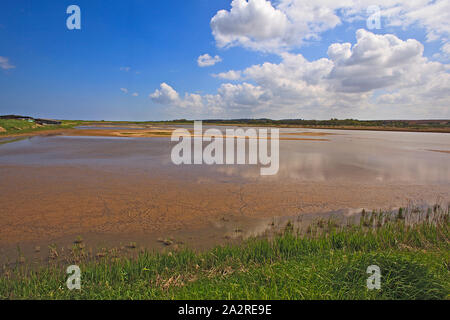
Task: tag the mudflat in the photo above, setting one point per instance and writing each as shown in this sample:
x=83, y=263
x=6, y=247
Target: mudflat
x=117, y=190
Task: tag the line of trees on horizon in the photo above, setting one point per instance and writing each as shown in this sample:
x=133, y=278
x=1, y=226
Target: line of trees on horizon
x=331, y=122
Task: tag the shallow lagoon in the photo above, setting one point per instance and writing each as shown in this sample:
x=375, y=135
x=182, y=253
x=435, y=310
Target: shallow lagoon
x=113, y=190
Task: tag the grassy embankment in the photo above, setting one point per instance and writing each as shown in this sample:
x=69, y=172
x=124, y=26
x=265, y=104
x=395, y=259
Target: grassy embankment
x=23, y=127
x=328, y=262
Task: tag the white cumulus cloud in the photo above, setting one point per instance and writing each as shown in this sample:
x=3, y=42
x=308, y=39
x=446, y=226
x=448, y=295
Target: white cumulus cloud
x=282, y=25
x=229, y=75
x=378, y=76
x=206, y=60
x=166, y=95
x=252, y=24
x=376, y=61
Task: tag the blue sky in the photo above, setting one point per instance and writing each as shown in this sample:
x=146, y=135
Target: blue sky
x=133, y=47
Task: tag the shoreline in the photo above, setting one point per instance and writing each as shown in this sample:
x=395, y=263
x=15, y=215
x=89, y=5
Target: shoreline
x=144, y=133
x=327, y=260
x=146, y=128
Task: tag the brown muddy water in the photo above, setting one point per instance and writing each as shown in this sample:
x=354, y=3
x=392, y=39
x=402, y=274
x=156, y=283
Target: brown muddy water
x=113, y=191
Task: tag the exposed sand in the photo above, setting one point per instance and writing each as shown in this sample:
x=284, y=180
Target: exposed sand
x=442, y=151
x=150, y=133
x=46, y=205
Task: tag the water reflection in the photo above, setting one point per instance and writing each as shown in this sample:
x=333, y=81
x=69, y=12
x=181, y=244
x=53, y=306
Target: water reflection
x=52, y=187
x=350, y=156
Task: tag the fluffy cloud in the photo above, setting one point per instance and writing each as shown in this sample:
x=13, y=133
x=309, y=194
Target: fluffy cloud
x=376, y=61
x=124, y=90
x=5, y=64
x=229, y=75
x=230, y=98
x=166, y=95
x=266, y=26
x=353, y=76
x=207, y=61
x=252, y=24
x=368, y=79
x=432, y=15
x=378, y=76
x=242, y=95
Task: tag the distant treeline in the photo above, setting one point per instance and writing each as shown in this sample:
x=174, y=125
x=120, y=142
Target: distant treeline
x=334, y=122
x=27, y=118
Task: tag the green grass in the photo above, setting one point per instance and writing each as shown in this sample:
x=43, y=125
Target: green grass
x=23, y=126
x=328, y=262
